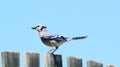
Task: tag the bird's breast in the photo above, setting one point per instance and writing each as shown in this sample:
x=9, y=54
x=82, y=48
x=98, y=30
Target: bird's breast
x=46, y=42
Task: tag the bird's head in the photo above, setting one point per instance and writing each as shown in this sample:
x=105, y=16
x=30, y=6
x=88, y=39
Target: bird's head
x=39, y=27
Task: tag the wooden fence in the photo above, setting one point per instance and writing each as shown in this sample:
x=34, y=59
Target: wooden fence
x=12, y=59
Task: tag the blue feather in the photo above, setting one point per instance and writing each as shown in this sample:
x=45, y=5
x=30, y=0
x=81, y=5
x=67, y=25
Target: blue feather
x=57, y=38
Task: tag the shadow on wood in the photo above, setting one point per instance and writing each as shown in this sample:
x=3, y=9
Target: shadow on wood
x=10, y=59
x=74, y=62
x=52, y=60
x=91, y=63
x=31, y=59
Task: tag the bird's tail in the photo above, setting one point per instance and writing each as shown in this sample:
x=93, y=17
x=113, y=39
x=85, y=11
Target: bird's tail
x=81, y=37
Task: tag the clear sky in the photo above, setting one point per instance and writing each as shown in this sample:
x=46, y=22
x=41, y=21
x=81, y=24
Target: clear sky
x=99, y=19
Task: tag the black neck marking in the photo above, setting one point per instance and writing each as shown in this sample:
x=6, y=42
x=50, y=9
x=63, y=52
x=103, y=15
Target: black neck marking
x=43, y=27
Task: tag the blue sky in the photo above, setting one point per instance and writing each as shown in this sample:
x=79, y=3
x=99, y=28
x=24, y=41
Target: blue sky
x=100, y=20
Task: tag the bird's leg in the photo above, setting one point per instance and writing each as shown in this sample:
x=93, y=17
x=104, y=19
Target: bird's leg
x=50, y=50
x=55, y=48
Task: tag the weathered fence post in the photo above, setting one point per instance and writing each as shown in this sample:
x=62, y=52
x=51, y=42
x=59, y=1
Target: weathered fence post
x=31, y=60
x=110, y=65
x=10, y=59
x=51, y=60
x=92, y=63
x=74, y=62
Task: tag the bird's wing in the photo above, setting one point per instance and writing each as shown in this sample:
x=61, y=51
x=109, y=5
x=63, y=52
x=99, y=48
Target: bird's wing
x=54, y=37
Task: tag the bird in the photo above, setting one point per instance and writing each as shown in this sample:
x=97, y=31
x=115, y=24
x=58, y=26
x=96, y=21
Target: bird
x=53, y=40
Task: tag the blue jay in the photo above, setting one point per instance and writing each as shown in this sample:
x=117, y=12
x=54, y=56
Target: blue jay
x=53, y=40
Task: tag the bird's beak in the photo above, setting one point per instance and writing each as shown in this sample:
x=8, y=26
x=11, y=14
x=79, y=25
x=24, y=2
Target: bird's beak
x=33, y=28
